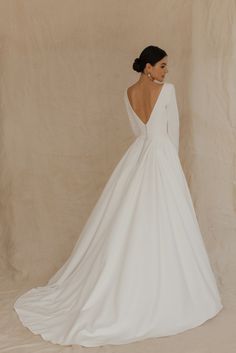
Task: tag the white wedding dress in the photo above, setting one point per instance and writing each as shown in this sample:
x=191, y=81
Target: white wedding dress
x=139, y=268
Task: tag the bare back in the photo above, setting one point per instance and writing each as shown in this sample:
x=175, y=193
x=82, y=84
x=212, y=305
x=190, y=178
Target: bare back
x=142, y=98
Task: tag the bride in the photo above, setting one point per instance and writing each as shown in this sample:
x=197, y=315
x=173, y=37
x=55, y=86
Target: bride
x=139, y=268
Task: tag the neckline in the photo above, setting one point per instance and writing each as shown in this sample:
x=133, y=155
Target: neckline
x=155, y=104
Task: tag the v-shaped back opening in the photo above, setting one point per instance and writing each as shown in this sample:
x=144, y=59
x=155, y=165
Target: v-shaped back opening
x=154, y=106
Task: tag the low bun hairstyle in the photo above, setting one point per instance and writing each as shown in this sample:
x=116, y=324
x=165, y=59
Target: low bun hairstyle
x=137, y=65
x=151, y=54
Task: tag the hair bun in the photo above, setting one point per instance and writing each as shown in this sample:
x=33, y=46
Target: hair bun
x=151, y=54
x=137, y=65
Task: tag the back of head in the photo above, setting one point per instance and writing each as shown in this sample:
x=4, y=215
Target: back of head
x=151, y=54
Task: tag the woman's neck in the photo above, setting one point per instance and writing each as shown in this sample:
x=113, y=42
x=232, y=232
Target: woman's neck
x=144, y=79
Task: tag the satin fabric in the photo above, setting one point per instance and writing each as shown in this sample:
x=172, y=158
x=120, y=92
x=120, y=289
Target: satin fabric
x=139, y=268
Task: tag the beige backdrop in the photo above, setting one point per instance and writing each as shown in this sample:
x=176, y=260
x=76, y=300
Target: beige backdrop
x=64, y=67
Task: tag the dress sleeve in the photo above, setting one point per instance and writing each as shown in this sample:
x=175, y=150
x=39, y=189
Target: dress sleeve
x=173, y=119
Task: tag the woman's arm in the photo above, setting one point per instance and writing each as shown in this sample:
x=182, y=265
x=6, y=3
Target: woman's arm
x=173, y=119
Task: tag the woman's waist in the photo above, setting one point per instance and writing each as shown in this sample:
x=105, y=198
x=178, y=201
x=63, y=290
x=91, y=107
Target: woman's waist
x=156, y=137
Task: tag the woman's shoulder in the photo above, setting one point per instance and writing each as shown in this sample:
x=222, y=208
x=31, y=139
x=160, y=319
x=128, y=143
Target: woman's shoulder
x=135, y=88
x=171, y=88
x=170, y=84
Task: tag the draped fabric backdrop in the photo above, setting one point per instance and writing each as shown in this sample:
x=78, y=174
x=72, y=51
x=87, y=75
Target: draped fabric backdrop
x=63, y=128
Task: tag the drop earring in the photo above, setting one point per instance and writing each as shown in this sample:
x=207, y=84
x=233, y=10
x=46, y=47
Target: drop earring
x=152, y=79
x=161, y=82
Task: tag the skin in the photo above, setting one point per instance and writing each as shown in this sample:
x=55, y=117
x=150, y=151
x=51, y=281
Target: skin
x=144, y=93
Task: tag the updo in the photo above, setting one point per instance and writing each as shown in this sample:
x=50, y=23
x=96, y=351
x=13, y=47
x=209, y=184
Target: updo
x=151, y=54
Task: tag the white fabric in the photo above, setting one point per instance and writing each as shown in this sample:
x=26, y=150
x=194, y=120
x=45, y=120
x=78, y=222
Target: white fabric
x=140, y=267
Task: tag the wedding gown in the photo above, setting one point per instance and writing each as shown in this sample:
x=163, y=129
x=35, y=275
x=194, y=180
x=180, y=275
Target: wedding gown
x=139, y=268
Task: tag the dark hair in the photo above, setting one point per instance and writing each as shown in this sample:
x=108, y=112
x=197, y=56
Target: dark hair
x=151, y=54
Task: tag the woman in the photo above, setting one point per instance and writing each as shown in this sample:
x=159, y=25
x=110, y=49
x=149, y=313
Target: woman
x=139, y=268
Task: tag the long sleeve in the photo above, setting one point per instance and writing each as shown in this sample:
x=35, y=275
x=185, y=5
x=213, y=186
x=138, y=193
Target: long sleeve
x=173, y=119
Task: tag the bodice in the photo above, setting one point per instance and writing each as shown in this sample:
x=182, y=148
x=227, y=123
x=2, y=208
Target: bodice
x=163, y=121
